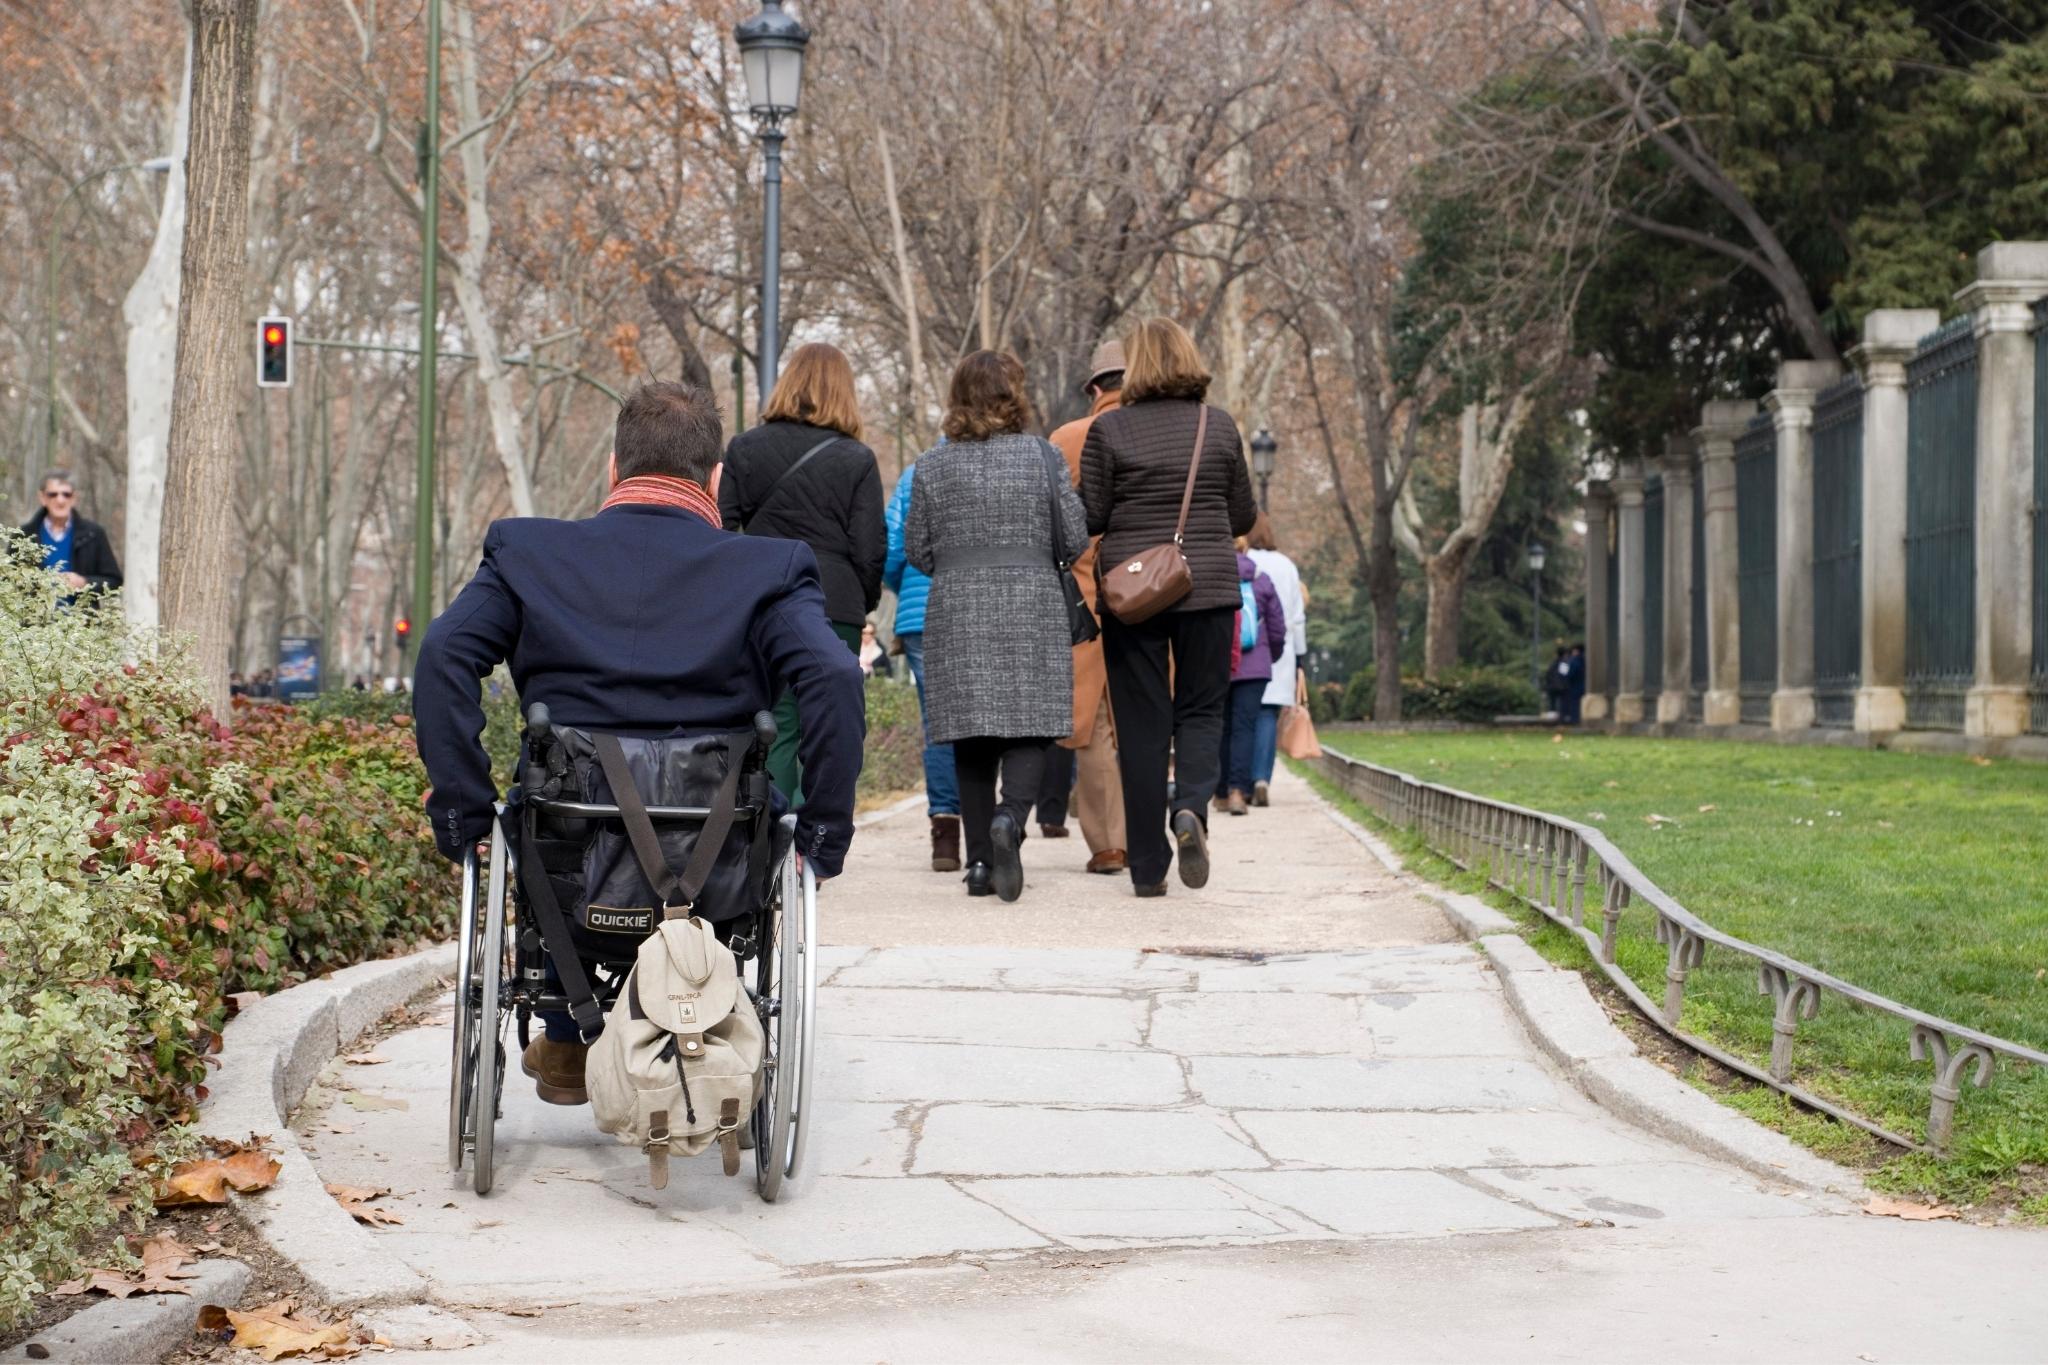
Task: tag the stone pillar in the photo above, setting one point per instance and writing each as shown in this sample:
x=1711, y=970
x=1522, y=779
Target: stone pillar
x=1721, y=421
x=1628, y=688
x=1677, y=641
x=1599, y=649
x=1791, y=409
x=1890, y=336
x=2010, y=276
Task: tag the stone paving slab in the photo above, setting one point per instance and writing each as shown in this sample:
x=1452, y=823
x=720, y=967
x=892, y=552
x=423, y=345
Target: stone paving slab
x=1095, y=1211
x=999, y=1018
x=1382, y=1083
x=1442, y=1025
x=1448, y=968
x=1243, y=1023
x=1639, y=1194
x=852, y=1221
x=968, y=1139
x=1025, y=969
x=941, y=1073
x=1389, y=1203
x=1440, y=1141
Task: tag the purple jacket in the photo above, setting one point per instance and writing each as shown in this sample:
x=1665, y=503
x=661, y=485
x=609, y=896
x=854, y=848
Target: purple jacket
x=1256, y=664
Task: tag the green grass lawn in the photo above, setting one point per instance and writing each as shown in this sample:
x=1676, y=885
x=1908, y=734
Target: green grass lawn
x=1923, y=878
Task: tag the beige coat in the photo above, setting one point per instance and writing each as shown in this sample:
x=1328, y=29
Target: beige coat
x=1090, y=677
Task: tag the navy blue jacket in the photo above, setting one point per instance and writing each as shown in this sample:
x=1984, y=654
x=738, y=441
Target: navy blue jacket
x=644, y=621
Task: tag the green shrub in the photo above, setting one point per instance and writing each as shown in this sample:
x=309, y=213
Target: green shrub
x=155, y=861
x=894, y=760
x=1469, y=695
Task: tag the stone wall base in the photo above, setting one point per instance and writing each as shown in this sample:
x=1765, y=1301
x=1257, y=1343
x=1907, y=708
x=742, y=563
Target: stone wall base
x=1721, y=708
x=1628, y=708
x=1996, y=712
x=1792, y=708
x=1880, y=710
x=1670, y=707
x=1593, y=707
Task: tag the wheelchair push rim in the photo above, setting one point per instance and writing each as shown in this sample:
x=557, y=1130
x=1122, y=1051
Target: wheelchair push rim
x=785, y=990
x=479, y=1065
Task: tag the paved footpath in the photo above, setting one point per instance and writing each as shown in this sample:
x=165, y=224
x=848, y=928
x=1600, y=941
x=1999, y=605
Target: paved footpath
x=1287, y=1115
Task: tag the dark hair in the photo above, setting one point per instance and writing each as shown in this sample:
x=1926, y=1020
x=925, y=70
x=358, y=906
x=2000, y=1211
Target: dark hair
x=668, y=429
x=986, y=398
x=1109, y=382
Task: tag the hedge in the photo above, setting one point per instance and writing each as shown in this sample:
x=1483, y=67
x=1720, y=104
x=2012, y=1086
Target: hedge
x=1473, y=695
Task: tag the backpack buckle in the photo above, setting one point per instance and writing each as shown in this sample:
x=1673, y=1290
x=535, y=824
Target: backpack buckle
x=678, y=910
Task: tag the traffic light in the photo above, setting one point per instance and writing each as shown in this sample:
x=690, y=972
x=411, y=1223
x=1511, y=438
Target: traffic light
x=403, y=628
x=273, y=353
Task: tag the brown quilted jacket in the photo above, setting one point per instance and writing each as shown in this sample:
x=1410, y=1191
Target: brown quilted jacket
x=1133, y=468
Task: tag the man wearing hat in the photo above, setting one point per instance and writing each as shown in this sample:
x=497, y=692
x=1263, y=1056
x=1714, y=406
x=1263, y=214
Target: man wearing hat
x=1099, y=792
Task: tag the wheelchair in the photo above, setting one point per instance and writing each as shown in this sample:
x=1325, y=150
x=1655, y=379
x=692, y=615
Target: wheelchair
x=507, y=971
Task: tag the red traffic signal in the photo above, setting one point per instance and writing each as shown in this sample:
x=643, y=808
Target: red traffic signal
x=273, y=353
x=403, y=627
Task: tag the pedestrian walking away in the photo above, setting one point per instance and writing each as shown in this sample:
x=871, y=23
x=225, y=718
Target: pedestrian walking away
x=1145, y=484
x=912, y=586
x=991, y=518
x=1098, y=789
x=1280, y=692
x=803, y=474
x=75, y=549
x=1557, y=684
x=1261, y=634
x=1575, y=684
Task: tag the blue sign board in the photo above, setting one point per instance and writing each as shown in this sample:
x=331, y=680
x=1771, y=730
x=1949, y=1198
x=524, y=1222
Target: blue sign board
x=298, y=666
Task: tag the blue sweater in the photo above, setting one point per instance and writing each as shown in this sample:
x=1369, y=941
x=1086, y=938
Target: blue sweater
x=906, y=580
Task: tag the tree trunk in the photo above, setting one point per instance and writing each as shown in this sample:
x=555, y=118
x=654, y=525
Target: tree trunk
x=212, y=365
x=1383, y=585
x=151, y=312
x=1446, y=575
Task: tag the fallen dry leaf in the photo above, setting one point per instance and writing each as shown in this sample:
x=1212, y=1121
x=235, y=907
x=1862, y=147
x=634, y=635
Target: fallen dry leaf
x=207, y=1180
x=1881, y=1207
x=277, y=1332
x=365, y=1058
x=361, y=1101
x=356, y=1199
x=1658, y=820
x=1980, y=760
x=1704, y=809
x=165, y=1262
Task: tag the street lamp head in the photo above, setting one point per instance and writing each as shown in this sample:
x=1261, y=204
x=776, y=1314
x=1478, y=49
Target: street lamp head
x=1536, y=558
x=1264, y=449
x=772, y=59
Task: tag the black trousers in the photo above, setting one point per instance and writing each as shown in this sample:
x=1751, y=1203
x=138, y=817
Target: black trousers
x=1021, y=765
x=1057, y=788
x=1169, y=679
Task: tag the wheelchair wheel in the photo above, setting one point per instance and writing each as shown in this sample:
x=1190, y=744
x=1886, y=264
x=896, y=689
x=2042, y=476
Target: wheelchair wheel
x=785, y=991
x=478, y=1082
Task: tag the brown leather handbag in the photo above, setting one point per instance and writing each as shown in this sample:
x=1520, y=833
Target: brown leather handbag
x=1146, y=584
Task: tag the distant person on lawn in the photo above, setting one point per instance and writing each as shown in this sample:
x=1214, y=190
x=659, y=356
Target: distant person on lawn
x=74, y=549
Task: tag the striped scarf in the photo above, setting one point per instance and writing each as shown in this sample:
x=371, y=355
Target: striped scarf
x=661, y=490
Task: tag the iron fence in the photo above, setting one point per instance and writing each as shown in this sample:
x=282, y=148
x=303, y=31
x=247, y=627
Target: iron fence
x=2037, y=715
x=1756, y=565
x=1941, y=522
x=1696, y=693
x=1559, y=868
x=1837, y=552
x=1653, y=585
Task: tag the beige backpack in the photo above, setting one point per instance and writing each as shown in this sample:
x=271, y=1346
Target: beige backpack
x=678, y=1066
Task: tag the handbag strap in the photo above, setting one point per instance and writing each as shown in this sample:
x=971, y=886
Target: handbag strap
x=1187, y=495
x=784, y=476
x=1055, y=471
x=678, y=893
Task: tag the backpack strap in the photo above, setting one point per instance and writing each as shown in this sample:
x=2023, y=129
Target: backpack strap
x=678, y=893
x=785, y=476
x=554, y=929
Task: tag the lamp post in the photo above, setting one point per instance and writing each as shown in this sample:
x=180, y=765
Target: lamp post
x=161, y=165
x=430, y=327
x=1536, y=557
x=1264, y=449
x=772, y=59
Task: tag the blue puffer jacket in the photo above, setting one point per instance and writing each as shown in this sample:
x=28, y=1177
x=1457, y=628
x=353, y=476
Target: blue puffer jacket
x=903, y=578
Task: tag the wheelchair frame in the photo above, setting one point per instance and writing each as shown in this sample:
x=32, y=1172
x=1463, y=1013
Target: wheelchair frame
x=501, y=976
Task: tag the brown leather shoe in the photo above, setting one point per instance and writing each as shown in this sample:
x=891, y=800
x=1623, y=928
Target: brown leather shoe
x=1108, y=861
x=945, y=843
x=1053, y=831
x=557, y=1070
x=1261, y=794
x=1238, y=805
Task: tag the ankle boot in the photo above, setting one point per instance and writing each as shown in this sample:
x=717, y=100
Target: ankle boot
x=945, y=843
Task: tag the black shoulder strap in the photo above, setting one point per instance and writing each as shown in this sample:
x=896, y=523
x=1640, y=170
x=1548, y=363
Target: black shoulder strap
x=554, y=929
x=1056, y=472
x=678, y=893
x=784, y=477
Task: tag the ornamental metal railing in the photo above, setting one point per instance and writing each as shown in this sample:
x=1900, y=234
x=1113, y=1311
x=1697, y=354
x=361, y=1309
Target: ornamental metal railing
x=1837, y=552
x=1568, y=873
x=1756, y=566
x=1941, y=526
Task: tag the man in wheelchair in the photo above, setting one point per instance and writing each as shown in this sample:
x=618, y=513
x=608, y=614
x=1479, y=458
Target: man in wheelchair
x=650, y=625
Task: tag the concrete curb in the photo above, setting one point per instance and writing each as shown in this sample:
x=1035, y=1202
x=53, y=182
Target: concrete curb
x=140, y=1330
x=270, y=1055
x=1568, y=1025
x=890, y=811
x=1570, y=1028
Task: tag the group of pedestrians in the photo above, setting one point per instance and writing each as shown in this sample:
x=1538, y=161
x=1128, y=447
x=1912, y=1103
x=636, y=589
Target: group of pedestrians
x=1030, y=701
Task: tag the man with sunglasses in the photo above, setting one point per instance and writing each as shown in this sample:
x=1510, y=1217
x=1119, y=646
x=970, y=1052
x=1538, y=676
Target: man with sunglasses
x=75, y=549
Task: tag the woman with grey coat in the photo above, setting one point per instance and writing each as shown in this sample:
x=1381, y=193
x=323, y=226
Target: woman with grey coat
x=998, y=655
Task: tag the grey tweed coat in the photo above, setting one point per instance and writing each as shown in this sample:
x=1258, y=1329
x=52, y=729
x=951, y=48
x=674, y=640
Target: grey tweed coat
x=998, y=659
